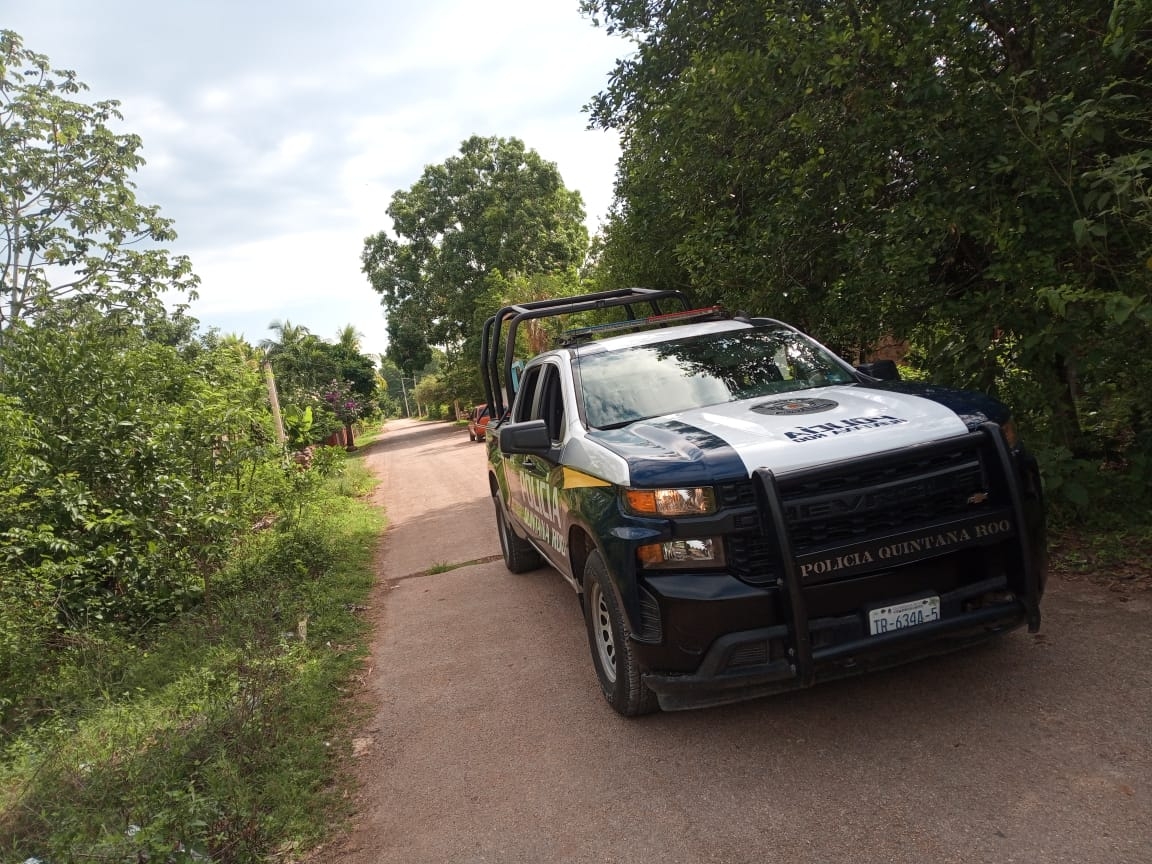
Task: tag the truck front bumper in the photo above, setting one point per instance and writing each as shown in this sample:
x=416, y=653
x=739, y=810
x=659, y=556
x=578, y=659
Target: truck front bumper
x=748, y=664
x=720, y=639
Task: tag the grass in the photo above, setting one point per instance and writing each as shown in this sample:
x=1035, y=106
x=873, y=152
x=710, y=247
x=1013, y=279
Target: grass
x=371, y=434
x=1120, y=558
x=223, y=736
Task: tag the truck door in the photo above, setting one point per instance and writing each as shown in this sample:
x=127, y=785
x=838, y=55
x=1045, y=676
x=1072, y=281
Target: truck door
x=534, y=482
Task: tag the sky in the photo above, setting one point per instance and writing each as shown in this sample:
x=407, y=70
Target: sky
x=275, y=133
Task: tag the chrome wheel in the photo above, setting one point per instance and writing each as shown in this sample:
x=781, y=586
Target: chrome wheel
x=602, y=631
x=618, y=670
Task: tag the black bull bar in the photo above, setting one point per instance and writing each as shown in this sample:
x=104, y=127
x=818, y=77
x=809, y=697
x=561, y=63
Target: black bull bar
x=996, y=525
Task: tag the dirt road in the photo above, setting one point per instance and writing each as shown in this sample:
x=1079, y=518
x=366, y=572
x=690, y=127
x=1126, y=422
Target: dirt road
x=489, y=741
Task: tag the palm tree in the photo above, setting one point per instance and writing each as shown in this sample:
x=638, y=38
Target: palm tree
x=349, y=337
x=240, y=346
x=288, y=334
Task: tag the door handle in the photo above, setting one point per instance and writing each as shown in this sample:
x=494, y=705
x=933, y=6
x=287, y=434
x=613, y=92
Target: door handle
x=529, y=464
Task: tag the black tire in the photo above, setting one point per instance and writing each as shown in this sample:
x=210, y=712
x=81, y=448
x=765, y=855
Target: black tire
x=520, y=556
x=617, y=669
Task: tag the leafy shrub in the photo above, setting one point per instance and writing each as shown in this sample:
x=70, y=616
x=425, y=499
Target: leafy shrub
x=128, y=467
x=213, y=738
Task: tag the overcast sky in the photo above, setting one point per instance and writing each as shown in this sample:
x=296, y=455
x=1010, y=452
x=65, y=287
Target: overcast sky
x=276, y=132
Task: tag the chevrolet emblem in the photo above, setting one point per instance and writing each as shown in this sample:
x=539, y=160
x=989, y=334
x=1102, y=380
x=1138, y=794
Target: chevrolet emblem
x=977, y=497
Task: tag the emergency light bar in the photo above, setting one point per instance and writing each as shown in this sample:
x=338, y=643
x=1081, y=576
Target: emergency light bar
x=569, y=336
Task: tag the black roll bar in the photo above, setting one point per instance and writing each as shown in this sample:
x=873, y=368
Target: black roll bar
x=499, y=387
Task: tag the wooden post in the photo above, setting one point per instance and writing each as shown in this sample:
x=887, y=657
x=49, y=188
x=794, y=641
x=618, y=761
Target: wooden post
x=274, y=401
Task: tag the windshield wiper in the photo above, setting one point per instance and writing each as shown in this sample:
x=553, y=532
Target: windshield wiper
x=608, y=427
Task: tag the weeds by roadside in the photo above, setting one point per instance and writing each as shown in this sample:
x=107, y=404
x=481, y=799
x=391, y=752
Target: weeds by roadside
x=218, y=738
x=1120, y=559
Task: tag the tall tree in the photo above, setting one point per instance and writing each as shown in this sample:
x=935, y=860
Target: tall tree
x=973, y=176
x=497, y=206
x=71, y=228
x=407, y=338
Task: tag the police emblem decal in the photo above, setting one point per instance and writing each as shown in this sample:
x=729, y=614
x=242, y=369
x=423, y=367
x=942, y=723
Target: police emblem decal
x=784, y=407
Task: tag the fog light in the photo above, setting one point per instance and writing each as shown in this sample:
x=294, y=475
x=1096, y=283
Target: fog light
x=702, y=552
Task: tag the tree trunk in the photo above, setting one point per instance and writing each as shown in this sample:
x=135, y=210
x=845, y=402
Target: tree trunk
x=1065, y=414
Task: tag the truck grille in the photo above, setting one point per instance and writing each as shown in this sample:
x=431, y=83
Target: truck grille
x=856, y=501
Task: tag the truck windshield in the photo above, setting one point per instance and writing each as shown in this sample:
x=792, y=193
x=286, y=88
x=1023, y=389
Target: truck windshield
x=637, y=383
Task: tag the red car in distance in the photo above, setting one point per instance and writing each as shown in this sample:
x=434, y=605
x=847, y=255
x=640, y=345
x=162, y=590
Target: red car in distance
x=477, y=422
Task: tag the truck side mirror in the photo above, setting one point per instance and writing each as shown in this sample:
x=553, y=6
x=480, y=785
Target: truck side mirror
x=530, y=438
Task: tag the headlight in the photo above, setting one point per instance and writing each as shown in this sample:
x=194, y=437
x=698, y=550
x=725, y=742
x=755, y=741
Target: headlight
x=699, y=501
x=685, y=554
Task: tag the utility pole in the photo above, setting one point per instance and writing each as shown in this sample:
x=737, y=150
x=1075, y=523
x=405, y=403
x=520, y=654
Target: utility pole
x=274, y=401
x=404, y=391
x=416, y=399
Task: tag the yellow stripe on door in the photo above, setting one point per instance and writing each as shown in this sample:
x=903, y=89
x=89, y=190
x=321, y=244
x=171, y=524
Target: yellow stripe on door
x=574, y=479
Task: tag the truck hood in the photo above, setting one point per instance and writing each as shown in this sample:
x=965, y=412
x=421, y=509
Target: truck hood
x=792, y=431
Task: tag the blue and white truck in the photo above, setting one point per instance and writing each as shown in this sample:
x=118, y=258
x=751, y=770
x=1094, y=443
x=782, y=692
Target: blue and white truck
x=743, y=512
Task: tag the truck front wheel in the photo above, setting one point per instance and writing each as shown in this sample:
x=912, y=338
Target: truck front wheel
x=616, y=665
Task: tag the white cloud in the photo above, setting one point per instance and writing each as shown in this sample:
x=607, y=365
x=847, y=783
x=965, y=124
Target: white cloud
x=289, y=152
x=311, y=278
x=276, y=141
x=216, y=99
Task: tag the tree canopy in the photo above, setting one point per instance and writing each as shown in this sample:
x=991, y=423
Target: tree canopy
x=495, y=207
x=304, y=362
x=973, y=177
x=71, y=228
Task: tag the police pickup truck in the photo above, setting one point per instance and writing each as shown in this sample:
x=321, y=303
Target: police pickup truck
x=743, y=512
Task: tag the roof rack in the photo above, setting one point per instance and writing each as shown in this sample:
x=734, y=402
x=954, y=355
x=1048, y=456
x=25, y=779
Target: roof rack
x=706, y=313
x=490, y=353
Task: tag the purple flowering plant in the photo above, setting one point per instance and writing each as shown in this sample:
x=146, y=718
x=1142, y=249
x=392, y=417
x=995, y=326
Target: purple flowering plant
x=337, y=395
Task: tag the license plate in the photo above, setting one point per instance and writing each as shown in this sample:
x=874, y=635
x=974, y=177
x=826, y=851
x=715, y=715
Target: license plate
x=901, y=616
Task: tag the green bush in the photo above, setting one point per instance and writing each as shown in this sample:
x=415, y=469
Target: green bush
x=128, y=467
x=215, y=735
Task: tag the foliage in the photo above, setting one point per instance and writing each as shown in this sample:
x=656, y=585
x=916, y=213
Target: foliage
x=408, y=347
x=26, y=605
x=128, y=467
x=497, y=207
x=433, y=394
x=70, y=224
x=298, y=425
x=390, y=388
x=970, y=177
x=304, y=362
x=309, y=370
x=214, y=738
x=140, y=485
x=342, y=402
x=346, y=406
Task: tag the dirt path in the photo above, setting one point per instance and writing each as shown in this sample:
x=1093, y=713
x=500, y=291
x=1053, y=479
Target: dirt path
x=489, y=741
